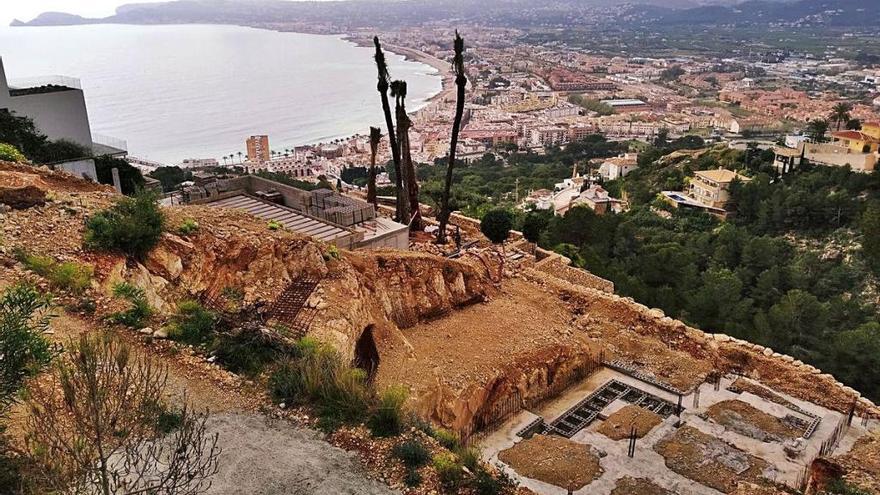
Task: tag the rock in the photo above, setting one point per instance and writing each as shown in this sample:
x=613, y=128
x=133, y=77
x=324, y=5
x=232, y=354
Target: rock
x=20, y=198
x=768, y=351
x=720, y=337
x=161, y=333
x=146, y=331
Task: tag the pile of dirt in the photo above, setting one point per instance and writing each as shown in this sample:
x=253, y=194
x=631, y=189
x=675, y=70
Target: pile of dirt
x=761, y=391
x=709, y=460
x=554, y=460
x=20, y=198
x=619, y=424
x=746, y=420
x=638, y=486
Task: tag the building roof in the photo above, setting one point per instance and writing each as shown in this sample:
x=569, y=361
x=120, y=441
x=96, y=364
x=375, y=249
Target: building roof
x=720, y=175
x=854, y=135
x=786, y=151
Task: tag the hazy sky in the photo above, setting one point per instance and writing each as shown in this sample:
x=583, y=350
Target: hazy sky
x=28, y=9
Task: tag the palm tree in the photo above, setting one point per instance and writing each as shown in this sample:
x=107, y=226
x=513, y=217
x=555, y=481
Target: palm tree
x=239, y=156
x=460, y=83
x=224, y=160
x=840, y=113
x=375, y=138
x=817, y=129
x=382, y=87
x=409, y=181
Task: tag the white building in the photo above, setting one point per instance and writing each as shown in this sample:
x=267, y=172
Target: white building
x=617, y=167
x=57, y=106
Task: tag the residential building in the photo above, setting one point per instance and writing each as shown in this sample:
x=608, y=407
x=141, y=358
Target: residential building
x=712, y=187
x=856, y=141
x=258, y=149
x=57, y=106
x=598, y=199
x=617, y=167
x=786, y=159
x=627, y=105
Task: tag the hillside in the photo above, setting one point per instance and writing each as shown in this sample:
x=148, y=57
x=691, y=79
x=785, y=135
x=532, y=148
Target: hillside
x=467, y=338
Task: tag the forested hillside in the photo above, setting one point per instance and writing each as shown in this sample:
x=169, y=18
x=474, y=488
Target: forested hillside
x=789, y=271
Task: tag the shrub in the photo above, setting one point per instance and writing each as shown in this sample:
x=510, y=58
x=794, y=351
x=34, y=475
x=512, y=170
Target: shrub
x=245, y=351
x=132, y=226
x=332, y=253
x=484, y=483
x=412, y=478
x=10, y=153
x=67, y=276
x=413, y=453
x=192, y=324
x=189, y=226
x=71, y=276
x=469, y=457
x=388, y=418
x=448, y=470
x=447, y=438
x=274, y=225
x=496, y=225
x=140, y=309
x=23, y=319
x=319, y=376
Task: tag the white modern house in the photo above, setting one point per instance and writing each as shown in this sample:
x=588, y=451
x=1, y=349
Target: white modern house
x=57, y=106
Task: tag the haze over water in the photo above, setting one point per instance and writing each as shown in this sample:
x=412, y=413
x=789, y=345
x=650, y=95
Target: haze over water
x=197, y=91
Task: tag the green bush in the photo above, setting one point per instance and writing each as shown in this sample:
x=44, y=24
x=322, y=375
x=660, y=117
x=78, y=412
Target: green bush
x=447, y=439
x=413, y=453
x=70, y=276
x=484, y=483
x=188, y=226
x=10, y=153
x=247, y=352
x=412, y=478
x=318, y=376
x=192, y=324
x=23, y=319
x=132, y=226
x=274, y=225
x=469, y=457
x=496, y=225
x=388, y=419
x=448, y=470
x=140, y=309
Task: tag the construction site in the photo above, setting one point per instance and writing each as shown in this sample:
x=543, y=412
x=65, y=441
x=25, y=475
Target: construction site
x=559, y=382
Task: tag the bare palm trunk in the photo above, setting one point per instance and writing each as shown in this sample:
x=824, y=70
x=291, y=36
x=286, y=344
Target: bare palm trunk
x=375, y=138
x=410, y=181
x=460, y=83
x=405, y=160
x=382, y=87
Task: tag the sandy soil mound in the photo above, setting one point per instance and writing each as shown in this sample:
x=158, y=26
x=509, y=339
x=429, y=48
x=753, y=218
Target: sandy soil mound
x=751, y=422
x=638, y=486
x=618, y=425
x=278, y=458
x=555, y=460
x=708, y=460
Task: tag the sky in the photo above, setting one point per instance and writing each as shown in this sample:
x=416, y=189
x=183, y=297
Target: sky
x=26, y=10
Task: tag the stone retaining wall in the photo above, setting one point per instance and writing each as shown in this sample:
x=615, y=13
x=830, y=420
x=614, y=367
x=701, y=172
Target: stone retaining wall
x=560, y=266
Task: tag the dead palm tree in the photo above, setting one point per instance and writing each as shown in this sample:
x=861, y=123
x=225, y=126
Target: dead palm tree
x=460, y=83
x=409, y=180
x=382, y=86
x=375, y=138
x=840, y=113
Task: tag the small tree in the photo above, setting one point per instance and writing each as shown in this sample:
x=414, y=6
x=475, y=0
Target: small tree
x=533, y=224
x=132, y=226
x=496, y=225
x=97, y=426
x=24, y=352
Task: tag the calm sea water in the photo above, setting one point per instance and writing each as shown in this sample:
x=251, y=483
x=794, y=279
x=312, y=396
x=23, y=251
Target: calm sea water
x=193, y=91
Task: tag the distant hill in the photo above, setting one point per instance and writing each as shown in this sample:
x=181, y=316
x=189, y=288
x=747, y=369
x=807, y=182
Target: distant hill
x=348, y=14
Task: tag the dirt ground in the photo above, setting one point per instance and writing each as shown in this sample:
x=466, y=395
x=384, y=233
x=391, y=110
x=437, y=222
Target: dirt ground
x=555, y=460
x=760, y=391
x=471, y=343
x=264, y=457
x=638, y=486
x=863, y=463
x=709, y=460
x=747, y=420
x=619, y=424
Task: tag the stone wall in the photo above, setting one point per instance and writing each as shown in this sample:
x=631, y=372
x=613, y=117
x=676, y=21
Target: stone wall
x=560, y=266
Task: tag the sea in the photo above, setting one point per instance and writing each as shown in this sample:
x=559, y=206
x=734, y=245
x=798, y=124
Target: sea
x=198, y=91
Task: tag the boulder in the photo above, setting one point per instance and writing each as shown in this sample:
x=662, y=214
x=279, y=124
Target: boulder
x=20, y=198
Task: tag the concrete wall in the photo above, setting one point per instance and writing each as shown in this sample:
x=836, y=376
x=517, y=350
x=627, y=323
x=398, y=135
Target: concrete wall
x=79, y=168
x=58, y=115
x=4, y=87
x=839, y=156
